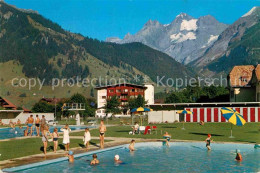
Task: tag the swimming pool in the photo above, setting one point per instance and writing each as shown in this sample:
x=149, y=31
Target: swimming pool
x=7, y=133
x=153, y=157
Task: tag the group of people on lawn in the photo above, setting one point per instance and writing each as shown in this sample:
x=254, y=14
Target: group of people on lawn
x=49, y=137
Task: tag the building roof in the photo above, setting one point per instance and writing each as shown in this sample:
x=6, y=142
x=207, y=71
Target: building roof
x=53, y=100
x=7, y=104
x=122, y=84
x=257, y=72
x=240, y=76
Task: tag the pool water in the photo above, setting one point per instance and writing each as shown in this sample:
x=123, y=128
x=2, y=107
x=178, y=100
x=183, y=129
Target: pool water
x=7, y=133
x=154, y=157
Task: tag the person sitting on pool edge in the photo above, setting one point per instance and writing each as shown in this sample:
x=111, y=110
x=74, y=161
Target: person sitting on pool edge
x=116, y=159
x=238, y=156
x=132, y=145
x=167, y=138
x=208, y=140
x=95, y=161
x=70, y=156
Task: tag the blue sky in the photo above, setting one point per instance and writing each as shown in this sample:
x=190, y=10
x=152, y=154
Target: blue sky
x=105, y=18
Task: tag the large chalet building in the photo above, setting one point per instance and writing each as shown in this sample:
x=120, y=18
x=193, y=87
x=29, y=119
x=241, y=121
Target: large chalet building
x=124, y=92
x=244, y=83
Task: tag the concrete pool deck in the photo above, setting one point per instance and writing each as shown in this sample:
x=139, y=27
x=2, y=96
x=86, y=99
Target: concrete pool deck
x=115, y=141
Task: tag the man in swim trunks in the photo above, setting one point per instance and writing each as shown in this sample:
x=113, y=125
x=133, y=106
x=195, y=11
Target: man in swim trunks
x=29, y=122
x=102, y=130
x=43, y=123
x=37, y=124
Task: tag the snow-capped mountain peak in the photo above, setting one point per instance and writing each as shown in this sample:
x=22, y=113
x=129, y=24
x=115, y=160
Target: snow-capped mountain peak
x=185, y=38
x=250, y=12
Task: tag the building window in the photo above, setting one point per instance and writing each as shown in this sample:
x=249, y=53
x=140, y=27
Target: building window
x=244, y=78
x=104, y=97
x=111, y=91
x=132, y=90
x=125, y=90
x=118, y=91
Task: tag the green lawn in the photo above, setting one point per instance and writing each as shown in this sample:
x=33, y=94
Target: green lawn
x=220, y=132
x=25, y=147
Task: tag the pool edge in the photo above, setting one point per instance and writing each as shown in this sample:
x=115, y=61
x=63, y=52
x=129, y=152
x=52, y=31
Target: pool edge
x=48, y=162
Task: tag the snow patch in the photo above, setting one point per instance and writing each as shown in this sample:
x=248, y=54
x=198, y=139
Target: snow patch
x=212, y=38
x=181, y=15
x=183, y=37
x=250, y=12
x=166, y=25
x=189, y=25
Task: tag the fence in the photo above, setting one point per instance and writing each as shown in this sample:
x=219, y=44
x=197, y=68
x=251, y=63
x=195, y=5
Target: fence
x=208, y=114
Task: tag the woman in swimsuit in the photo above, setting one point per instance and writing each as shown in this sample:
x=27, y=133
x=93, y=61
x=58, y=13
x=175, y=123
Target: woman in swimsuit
x=95, y=161
x=45, y=139
x=55, y=137
x=208, y=140
x=102, y=130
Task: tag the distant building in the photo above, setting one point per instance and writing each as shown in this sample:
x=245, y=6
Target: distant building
x=7, y=104
x=124, y=92
x=53, y=100
x=244, y=83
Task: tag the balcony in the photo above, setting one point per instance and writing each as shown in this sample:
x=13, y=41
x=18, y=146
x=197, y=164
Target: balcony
x=123, y=99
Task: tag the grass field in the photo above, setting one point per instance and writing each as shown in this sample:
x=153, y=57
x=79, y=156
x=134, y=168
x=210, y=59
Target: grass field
x=25, y=147
x=220, y=132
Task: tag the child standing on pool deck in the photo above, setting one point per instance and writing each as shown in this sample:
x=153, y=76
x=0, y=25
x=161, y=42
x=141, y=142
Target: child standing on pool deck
x=208, y=140
x=86, y=138
x=66, y=138
x=55, y=137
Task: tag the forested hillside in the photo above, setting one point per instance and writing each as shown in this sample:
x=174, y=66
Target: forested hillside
x=45, y=50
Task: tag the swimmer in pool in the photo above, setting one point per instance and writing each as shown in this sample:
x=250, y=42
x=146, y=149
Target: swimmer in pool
x=116, y=159
x=167, y=138
x=70, y=156
x=95, y=161
x=238, y=156
x=102, y=130
x=208, y=141
x=132, y=145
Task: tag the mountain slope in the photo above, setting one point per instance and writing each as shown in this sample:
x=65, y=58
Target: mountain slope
x=185, y=38
x=232, y=34
x=237, y=45
x=243, y=52
x=47, y=51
